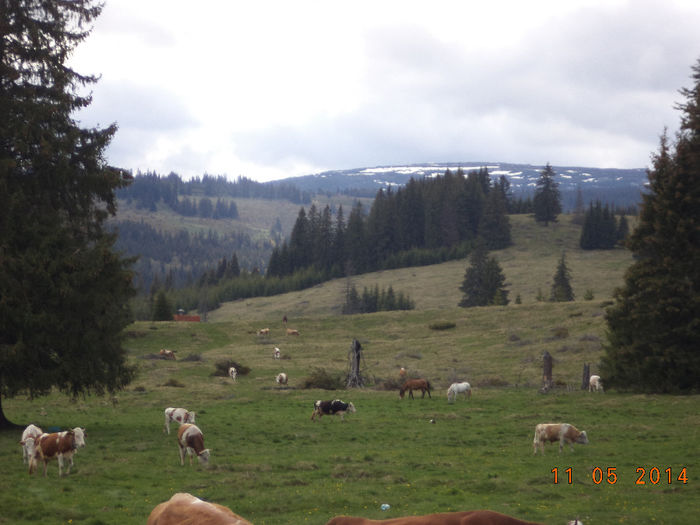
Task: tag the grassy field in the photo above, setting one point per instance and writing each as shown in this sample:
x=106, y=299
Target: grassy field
x=273, y=465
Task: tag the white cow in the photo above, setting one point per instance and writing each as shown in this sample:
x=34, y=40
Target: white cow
x=181, y=415
x=276, y=353
x=595, y=383
x=281, y=378
x=233, y=373
x=29, y=440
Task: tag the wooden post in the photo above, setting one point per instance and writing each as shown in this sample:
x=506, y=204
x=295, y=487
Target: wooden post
x=354, y=376
x=586, y=376
x=547, y=382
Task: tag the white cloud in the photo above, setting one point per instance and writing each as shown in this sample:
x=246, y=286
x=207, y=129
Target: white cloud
x=275, y=88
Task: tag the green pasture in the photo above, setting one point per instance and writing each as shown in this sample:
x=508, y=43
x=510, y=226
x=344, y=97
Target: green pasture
x=273, y=465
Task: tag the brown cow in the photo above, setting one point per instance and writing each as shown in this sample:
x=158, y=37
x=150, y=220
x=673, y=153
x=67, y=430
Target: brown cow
x=291, y=331
x=185, y=509
x=191, y=441
x=469, y=517
x=59, y=445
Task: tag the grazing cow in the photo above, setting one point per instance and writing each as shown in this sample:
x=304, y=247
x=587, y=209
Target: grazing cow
x=469, y=517
x=181, y=415
x=291, y=331
x=29, y=436
x=185, y=509
x=167, y=354
x=264, y=331
x=276, y=353
x=191, y=441
x=59, y=445
x=415, y=384
x=233, y=373
x=335, y=407
x=281, y=378
x=595, y=383
x=561, y=432
x=458, y=388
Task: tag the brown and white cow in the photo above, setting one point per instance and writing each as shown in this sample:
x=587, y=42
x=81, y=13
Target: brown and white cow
x=561, y=432
x=181, y=415
x=29, y=437
x=59, y=445
x=335, y=407
x=281, y=378
x=233, y=373
x=185, y=509
x=276, y=353
x=167, y=354
x=264, y=331
x=191, y=442
x=469, y=517
x=291, y=331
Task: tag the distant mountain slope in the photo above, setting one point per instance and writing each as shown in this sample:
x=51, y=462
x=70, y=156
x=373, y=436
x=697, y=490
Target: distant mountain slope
x=621, y=186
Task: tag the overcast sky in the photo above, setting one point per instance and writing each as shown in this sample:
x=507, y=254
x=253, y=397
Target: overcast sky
x=272, y=89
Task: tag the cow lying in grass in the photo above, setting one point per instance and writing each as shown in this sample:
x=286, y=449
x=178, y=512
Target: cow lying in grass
x=184, y=509
x=561, y=432
x=469, y=517
x=166, y=354
x=329, y=408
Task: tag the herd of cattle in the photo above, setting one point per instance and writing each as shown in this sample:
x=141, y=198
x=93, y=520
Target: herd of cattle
x=182, y=508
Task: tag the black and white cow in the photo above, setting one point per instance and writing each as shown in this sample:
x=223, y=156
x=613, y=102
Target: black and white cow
x=329, y=408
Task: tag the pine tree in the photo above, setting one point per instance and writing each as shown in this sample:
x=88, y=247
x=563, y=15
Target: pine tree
x=162, y=309
x=484, y=282
x=63, y=289
x=547, y=201
x=561, y=287
x=494, y=226
x=653, y=327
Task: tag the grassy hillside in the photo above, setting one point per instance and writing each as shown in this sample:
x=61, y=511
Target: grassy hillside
x=529, y=265
x=271, y=464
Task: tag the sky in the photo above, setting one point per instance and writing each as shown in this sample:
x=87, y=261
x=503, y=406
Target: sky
x=269, y=89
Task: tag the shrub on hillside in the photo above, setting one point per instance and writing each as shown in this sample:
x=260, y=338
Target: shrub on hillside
x=442, y=325
x=321, y=378
x=222, y=366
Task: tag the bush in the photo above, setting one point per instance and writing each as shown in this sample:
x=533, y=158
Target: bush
x=222, y=366
x=321, y=378
x=174, y=382
x=442, y=325
x=192, y=357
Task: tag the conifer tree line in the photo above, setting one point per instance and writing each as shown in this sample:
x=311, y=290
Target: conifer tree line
x=179, y=259
x=601, y=230
x=194, y=197
x=424, y=222
x=375, y=300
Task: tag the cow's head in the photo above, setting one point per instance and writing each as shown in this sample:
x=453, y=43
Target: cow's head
x=204, y=456
x=582, y=438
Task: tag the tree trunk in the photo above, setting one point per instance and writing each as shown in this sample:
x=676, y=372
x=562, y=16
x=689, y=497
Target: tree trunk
x=547, y=382
x=6, y=424
x=586, y=376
